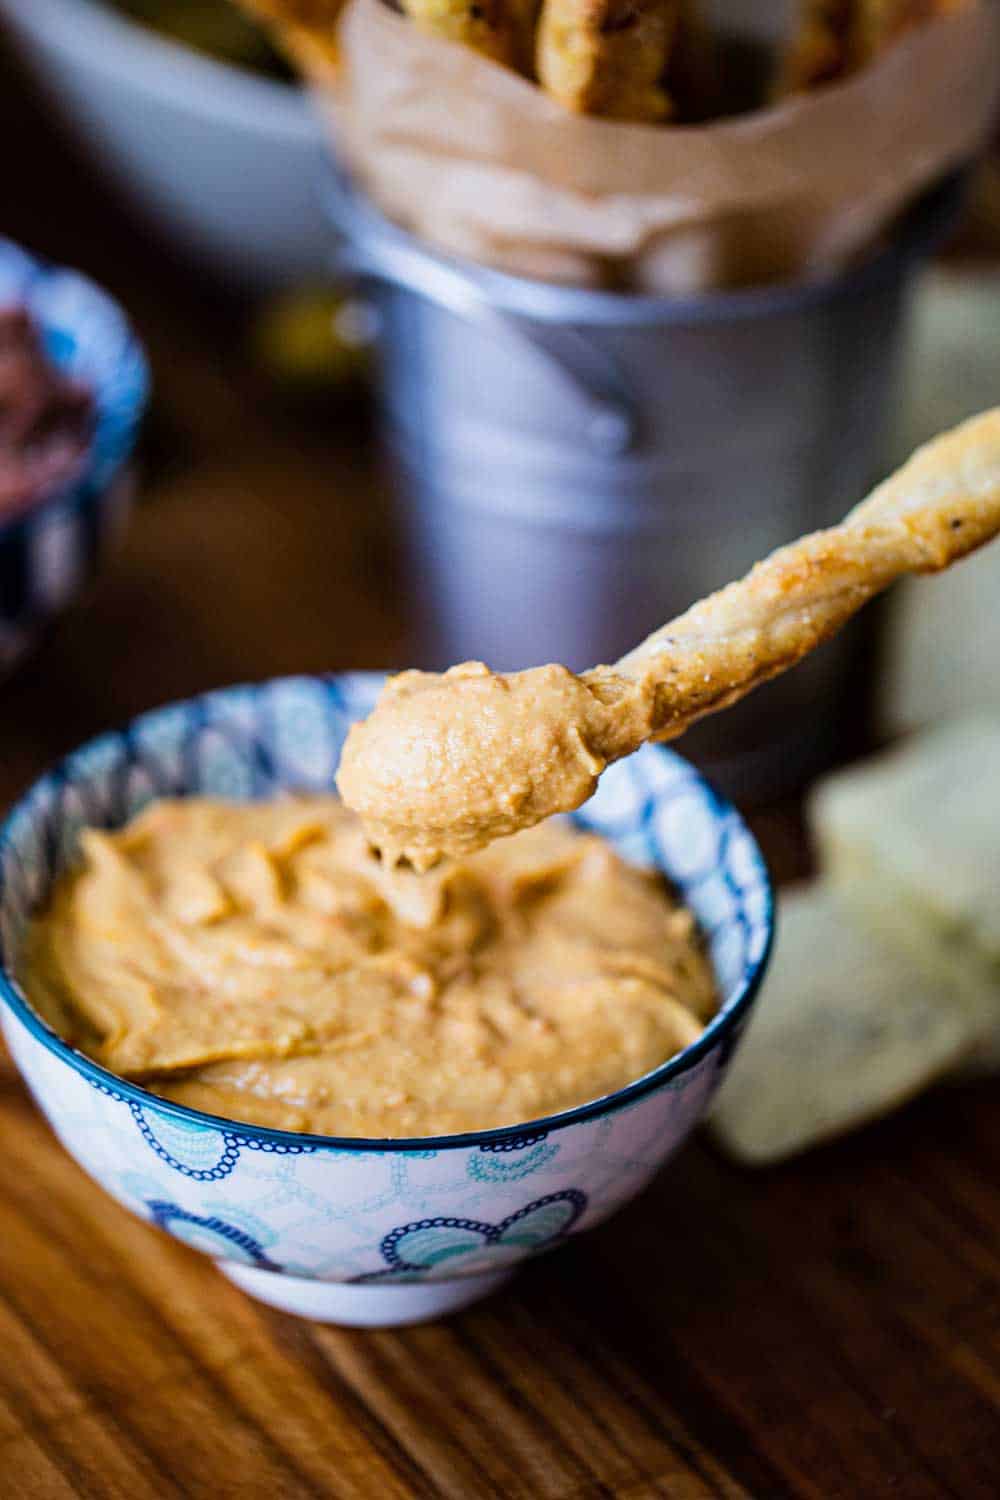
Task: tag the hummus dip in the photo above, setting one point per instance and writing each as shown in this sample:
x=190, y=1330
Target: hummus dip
x=448, y=762
x=258, y=962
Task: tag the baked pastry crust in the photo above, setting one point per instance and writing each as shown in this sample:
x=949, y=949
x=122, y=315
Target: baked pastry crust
x=837, y=37
x=608, y=57
x=500, y=29
x=941, y=505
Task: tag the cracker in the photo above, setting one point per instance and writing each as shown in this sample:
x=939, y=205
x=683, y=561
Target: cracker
x=923, y=822
x=846, y=1029
x=911, y=843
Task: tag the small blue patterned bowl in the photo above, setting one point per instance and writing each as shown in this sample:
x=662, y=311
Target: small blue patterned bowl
x=368, y=1232
x=49, y=553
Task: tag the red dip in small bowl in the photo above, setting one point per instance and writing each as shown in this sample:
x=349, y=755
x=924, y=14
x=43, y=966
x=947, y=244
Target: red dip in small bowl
x=46, y=419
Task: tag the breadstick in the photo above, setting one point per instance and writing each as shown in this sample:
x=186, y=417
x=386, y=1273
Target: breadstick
x=880, y=23
x=501, y=29
x=820, y=51
x=304, y=29
x=445, y=764
x=837, y=37
x=941, y=505
x=607, y=57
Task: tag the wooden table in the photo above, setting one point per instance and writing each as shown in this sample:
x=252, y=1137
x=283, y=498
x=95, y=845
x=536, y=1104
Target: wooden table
x=829, y=1328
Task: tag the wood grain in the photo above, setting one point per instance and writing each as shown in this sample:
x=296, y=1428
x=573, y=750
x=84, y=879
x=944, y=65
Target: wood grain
x=826, y=1329
x=830, y=1328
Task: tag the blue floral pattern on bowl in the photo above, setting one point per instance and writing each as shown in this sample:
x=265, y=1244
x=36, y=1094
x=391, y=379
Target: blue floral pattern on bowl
x=414, y=1252
x=49, y=553
x=509, y=1161
x=213, y=1235
x=368, y=1213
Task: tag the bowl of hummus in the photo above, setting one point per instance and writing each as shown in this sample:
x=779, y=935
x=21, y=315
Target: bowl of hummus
x=73, y=389
x=369, y=1094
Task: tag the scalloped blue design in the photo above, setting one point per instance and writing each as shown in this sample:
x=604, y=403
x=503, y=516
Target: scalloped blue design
x=498, y=1166
x=277, y=1148
x=213, y=1235
x=210, y=1154
x=430, y=1241
x=102, y=1088
x=518, y=1143
x=203, y=1154
x=550, y=1222
x=424, y=1247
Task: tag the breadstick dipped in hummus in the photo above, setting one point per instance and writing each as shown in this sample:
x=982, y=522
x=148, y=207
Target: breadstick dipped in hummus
x=447, y=763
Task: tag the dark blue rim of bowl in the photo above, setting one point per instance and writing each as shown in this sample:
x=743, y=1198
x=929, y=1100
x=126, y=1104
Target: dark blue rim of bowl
x=715, y=1032
x=117, y=424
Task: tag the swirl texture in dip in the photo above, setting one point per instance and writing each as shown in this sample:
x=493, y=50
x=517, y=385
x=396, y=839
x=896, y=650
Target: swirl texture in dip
x=257, y=961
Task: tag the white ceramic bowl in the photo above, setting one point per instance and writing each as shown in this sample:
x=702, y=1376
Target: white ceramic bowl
x=221, y=159
x=368, y=1232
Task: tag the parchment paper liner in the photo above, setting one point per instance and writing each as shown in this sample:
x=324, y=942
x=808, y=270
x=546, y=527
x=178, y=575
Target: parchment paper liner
x=483, y=163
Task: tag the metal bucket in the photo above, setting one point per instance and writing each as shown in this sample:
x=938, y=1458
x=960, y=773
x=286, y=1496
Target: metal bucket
x=574, y=467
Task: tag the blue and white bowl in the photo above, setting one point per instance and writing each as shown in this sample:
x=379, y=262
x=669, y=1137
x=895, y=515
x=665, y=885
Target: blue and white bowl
x=368, y=1232
x=49, y=553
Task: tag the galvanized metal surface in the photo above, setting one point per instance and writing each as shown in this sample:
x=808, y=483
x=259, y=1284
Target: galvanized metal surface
x=575, y=467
